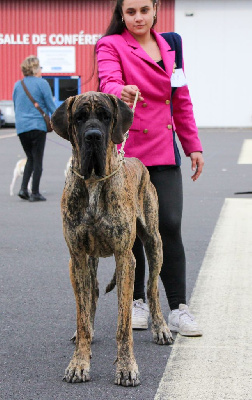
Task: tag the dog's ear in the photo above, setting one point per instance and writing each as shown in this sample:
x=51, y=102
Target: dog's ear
x=62, y=117
x=123, y=118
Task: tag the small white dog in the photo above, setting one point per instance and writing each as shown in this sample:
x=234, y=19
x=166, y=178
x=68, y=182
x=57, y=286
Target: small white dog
x=18, y=171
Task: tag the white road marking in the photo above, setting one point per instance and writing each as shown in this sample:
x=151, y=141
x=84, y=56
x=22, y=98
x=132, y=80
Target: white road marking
x=218, y=366
x=245, y=156
x=8, y=135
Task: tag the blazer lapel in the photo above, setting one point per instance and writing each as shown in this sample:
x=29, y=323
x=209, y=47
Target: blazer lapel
x=167, y=54
x=135, y=47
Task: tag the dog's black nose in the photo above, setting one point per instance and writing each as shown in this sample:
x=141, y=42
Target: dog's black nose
x=93, y=135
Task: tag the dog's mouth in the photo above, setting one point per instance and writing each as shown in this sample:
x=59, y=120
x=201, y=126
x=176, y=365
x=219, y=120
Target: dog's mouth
x=93, y=156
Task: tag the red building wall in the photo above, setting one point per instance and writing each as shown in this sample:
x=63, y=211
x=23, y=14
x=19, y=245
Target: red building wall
x=26, y=24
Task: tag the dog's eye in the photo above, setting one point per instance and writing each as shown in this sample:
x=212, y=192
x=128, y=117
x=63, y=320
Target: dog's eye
x=103, y=116
x=82, y=117
x=106, y=117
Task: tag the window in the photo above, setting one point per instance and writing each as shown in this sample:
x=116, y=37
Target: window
x=67, y=87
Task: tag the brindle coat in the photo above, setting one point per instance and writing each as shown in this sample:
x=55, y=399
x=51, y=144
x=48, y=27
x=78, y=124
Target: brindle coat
x=102, y=218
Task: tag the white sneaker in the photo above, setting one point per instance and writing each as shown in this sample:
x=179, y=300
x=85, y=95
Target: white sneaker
x=181, y=321
x=140, y=314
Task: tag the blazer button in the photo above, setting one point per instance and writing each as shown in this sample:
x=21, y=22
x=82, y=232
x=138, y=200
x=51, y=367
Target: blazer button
x=167, y=101
x=144, y=105
x=145, y=131
x=169, y=126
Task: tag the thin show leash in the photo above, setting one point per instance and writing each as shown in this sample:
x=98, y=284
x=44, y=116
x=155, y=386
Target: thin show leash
x=121, y=151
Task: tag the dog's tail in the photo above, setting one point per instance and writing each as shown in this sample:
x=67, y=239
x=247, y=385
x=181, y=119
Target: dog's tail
x=112, y=284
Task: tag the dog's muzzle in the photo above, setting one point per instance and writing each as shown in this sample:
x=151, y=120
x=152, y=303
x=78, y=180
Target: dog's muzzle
x=94, y=154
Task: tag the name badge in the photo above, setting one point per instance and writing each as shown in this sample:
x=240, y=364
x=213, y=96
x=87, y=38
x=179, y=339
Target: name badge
x=178, y=78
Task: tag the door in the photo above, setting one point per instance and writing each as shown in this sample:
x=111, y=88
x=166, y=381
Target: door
x=63, y=87
x=217, y=37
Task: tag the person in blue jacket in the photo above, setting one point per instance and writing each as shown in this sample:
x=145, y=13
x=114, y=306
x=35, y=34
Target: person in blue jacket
x=30, y=124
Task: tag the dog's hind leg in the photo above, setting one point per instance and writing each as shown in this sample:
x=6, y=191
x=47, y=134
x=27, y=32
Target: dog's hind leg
x=127, y=370
x=79, y=367
x=14, y=178
x=147, y=230
x=30, y=185
x=153, y=249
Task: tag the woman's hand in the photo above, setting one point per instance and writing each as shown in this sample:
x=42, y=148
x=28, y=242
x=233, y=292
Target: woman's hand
x=128, y=94
x=197, y=164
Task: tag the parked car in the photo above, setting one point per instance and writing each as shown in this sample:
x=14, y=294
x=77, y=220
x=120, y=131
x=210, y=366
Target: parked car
x=7, y=109
x=2, y=120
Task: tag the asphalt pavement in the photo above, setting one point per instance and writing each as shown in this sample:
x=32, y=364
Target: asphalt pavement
x=36, y=297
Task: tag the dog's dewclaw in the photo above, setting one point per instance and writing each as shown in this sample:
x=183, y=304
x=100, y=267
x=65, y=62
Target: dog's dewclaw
x=73, y=338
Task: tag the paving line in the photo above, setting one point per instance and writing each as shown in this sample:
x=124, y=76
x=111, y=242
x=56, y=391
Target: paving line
x=245, y=156
x=8, y=135
x=218, y=366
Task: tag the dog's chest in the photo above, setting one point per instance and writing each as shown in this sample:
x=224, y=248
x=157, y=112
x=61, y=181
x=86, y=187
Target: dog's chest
x=99, y=227
x=94, y=198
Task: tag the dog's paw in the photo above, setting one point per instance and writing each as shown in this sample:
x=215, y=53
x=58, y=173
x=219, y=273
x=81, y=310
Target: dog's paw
x=162, y=335
x=127, y=377
x=77, y=371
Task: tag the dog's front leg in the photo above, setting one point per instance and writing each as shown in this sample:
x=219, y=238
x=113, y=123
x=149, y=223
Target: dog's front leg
x=79, y=366
x=92, y=266
x=127, y=370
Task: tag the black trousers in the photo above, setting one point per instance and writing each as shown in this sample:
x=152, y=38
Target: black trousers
x=168, y=183
x=33, y=143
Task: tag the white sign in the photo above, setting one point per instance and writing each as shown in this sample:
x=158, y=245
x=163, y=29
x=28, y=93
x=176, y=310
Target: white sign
x=53, y=39
x=57, y=59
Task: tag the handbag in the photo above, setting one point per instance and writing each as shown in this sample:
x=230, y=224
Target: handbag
x=36, y=105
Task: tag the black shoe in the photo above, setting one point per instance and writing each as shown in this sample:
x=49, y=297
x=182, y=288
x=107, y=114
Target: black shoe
x=24, y=194
x=36, y=197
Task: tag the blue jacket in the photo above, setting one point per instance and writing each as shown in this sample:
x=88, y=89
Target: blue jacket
x=27, y=116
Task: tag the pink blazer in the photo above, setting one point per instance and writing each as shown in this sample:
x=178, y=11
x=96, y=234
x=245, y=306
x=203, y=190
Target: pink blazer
x=122, y=61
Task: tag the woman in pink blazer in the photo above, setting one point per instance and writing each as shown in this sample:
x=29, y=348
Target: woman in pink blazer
x=131, y=56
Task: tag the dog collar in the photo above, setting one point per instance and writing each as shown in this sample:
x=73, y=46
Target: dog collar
x=100, y=179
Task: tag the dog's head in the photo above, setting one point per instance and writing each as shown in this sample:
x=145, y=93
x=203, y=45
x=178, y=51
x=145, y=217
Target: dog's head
x=89, y=121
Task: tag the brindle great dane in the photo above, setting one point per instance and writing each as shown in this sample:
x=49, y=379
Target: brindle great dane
x=105, y=204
